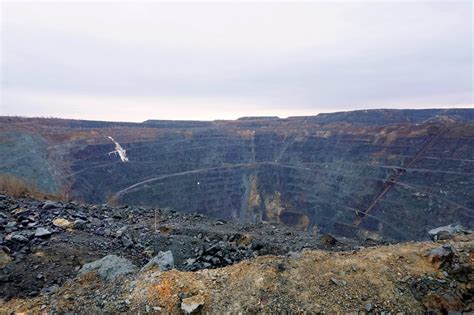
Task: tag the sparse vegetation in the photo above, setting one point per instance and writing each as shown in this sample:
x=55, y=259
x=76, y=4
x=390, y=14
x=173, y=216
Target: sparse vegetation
x=18, y=187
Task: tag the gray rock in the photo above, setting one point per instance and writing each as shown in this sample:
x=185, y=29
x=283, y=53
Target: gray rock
x=10, y=225
x=79, y=224
x=117, y=215
x=338, y=282
x=19, y=238
x=164, y=260
x=126, y=241
x=328, y=239
x=50, y=290
x=121, y=231
x=49, y=205
x=447, y=232
x=100, y=231
x=42, y=232
x=192, y=305
x=441, y=255
x=368, y=307
x=109, y=267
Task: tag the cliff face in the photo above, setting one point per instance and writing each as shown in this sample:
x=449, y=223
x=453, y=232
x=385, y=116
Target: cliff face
x=381, y=173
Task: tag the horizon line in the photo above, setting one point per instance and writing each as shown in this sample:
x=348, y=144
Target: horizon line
x=469, y=107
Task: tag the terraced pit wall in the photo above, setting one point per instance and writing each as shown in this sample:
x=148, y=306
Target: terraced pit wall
x=379, y=179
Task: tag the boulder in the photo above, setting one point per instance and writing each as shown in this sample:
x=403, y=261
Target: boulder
x=164, y=261
x=441, y=255
x=109, y=267
x=63, y=223
x=447, y=232
x=42, y=232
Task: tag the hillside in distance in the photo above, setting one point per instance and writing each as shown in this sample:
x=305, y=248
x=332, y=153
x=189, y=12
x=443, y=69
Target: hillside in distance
x=375, y=173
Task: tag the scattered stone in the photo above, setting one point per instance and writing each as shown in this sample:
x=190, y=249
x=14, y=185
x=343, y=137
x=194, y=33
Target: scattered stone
x=338, y=282
x=10, y=225
x=100, y=231
x=109, y=267
x=328, y=239
x=50, y=290
x=19, y=238
x=368, y=307
x=441, y=255
x=48, y=205
x=126, y=241
x=447, y=232
x=121, y=231
x=164, y=261
x=63, y=223
x=244, y=240
x=193, y=304
x=4, y=258
x=149, y=251
x=42, y=232
x=281, y=267
x=195, y=242
x=79, y=224
x=117, y=215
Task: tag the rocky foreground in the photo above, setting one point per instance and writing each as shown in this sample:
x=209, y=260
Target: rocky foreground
x=72, y=258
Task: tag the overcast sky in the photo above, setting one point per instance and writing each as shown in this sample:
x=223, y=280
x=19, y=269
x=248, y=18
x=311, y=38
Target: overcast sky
x=141, y=60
